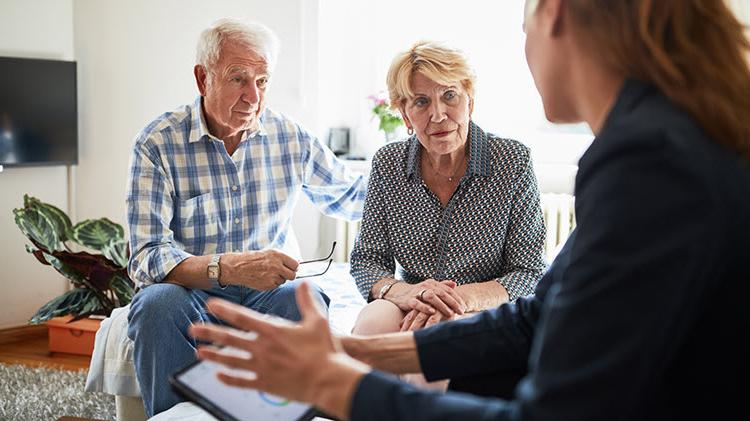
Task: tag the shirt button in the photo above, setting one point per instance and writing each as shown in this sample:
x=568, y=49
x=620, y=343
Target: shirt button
x=236, y=220
x=234, y=188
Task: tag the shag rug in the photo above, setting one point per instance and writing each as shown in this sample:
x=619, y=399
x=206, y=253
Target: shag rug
x=48, y=394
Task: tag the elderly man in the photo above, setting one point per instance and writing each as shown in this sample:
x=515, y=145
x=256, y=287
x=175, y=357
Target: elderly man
x=211, y=194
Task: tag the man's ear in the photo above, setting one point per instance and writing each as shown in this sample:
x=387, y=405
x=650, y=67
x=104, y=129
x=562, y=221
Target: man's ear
x=201, y=78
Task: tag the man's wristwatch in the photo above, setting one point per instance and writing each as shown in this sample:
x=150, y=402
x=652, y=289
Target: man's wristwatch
x=214, y=271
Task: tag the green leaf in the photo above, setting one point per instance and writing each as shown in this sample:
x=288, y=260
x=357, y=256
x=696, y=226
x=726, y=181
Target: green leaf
x=91, y=306
x=117, y=252
x=39, y=254
x=97, y=234
x=59, y=219
x=38, y=228
x=67, y=271
x=123, y=288
x=72, y=302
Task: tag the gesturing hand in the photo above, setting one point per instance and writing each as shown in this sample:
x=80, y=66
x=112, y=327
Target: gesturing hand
x=288, y=359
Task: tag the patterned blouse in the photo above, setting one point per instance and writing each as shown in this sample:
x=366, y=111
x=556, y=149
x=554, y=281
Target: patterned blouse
x=491, y=228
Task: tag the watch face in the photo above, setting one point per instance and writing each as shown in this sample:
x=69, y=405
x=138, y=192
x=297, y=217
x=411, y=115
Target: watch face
x=213, y=272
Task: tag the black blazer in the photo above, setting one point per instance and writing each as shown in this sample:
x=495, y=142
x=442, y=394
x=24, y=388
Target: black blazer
x=642, y=315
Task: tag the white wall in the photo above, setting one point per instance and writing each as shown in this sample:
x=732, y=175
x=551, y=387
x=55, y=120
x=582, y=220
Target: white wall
x=38, y=29
x=742, y=8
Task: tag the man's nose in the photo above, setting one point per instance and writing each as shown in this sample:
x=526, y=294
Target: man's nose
x=251, y=94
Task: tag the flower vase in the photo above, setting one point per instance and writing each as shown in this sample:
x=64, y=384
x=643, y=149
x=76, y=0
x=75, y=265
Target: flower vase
x=399, y=133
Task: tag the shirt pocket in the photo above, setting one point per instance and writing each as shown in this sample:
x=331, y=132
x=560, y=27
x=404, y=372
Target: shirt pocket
x=197, y=226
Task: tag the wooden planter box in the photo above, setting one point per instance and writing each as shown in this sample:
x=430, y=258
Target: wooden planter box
x=72, y=338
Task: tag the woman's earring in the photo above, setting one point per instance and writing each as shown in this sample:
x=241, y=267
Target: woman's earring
x=410, y=131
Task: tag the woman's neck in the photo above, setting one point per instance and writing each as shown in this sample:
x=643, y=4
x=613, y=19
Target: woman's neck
x=596, y=89
x=448, y=165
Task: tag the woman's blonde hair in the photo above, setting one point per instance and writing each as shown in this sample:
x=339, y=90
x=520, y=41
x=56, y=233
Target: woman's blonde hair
x=694, y=51
x=440, y=63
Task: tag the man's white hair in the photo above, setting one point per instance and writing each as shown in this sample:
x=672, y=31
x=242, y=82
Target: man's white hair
x=255, y=36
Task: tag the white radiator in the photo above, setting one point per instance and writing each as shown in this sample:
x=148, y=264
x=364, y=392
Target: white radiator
x=346, y=234
x=559, y=217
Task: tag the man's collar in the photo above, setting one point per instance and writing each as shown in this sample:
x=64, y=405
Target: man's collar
x=480, y=160
x=199, y=128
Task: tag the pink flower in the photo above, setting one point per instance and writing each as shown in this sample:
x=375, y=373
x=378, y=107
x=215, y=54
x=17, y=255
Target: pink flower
x=379, y=98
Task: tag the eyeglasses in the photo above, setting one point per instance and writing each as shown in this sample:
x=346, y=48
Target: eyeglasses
x=330, y=260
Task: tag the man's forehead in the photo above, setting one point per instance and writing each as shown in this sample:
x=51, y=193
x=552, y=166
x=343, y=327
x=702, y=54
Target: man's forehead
x=252, y=68
x=237, y=57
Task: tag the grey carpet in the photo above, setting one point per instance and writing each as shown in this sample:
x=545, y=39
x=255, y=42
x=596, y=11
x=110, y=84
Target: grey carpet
x=47, y=394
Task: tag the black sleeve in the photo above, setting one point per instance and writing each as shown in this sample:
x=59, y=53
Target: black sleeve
x=494, y=340
x=382, y=397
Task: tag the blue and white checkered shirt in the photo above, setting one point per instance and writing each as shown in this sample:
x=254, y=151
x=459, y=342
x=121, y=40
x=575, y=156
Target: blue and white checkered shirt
x=188, y=197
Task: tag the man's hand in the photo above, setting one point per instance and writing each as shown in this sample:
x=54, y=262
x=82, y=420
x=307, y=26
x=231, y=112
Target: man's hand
x=261, y=270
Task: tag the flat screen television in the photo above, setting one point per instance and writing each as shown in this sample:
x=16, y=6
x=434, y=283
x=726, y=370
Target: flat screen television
x=38, y=112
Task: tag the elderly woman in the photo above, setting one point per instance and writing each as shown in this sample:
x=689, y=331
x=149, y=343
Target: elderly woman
x=456, y=207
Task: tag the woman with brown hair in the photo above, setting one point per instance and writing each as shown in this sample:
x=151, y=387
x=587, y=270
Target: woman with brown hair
x=643, y=314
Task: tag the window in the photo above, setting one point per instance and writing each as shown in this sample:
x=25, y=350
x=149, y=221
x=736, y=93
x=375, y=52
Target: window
x=358, y=40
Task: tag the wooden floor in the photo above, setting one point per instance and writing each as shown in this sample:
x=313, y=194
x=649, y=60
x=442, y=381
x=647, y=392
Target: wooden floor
x=27, y=345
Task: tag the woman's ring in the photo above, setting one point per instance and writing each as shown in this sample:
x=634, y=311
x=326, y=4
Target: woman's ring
x=421, y=294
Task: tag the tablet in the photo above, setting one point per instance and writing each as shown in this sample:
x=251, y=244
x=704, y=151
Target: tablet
x=198, y=383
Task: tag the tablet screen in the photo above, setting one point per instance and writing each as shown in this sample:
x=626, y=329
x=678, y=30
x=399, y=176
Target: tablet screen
x=199, y=383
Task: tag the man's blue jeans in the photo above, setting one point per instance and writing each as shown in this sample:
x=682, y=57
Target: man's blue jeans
x=160, y=315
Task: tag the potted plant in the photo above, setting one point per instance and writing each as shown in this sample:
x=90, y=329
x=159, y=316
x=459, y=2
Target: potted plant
x=99, y=275
x=388, y=120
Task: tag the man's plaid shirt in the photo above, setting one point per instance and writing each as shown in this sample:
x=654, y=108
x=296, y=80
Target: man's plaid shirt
x=187, y=196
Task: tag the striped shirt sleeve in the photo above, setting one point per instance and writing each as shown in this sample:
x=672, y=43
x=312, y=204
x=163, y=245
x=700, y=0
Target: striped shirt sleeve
x=150, y=200
x=329, y=184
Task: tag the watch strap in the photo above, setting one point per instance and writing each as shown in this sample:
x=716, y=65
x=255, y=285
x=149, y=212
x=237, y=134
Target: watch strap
x=214, y=262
